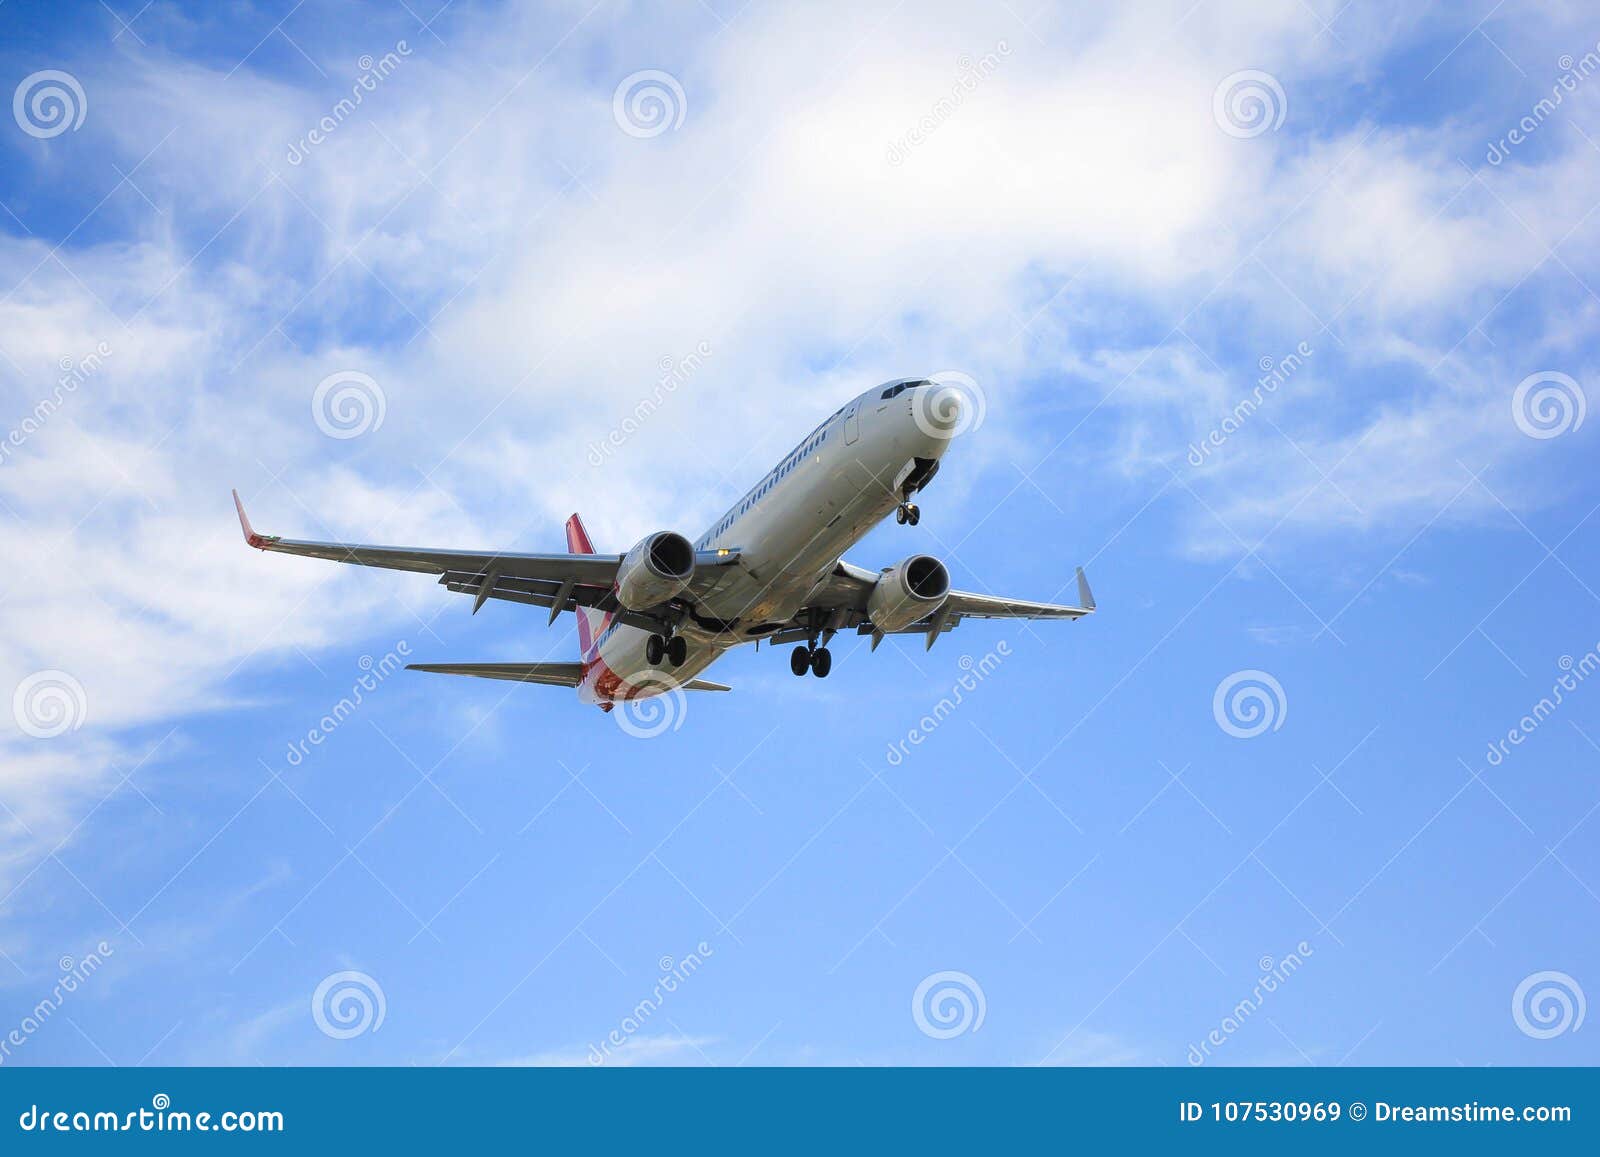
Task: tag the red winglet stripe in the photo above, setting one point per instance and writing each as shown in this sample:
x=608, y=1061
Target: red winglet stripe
x=251, y=538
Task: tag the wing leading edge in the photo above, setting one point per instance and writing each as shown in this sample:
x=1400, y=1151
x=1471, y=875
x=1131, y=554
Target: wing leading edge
x=596, y=569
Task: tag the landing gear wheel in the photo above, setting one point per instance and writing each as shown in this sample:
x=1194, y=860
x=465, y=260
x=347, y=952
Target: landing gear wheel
x=900, y=514
x=913, y=513
x=677, y=650
x=654, y=648
x=800, y=660
x=821, y=662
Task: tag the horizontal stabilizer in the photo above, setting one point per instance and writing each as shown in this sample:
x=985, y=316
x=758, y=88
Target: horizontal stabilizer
x=549, y=674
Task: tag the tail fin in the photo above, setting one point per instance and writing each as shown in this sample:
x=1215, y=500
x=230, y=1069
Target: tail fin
x=591, y=623
x=577, y=537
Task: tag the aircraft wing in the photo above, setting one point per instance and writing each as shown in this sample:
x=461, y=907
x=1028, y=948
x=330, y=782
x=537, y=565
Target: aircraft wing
x=975, y=606
x=841, y=604
x=557, y=581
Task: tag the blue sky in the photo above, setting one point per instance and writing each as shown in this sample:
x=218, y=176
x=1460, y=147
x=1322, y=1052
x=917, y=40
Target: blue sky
x=1394, y=542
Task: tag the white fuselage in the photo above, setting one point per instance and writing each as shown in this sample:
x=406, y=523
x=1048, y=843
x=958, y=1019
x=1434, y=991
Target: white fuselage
x=790, y=532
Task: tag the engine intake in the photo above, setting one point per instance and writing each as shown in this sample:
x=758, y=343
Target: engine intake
x=657, y=569
x=905, y=593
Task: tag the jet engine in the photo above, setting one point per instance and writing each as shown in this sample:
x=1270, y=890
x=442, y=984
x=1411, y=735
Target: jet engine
x=657, y=569
x=905, y=593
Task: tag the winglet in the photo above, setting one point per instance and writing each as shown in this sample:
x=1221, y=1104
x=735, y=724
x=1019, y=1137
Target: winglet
x=1085, y=595
x=251, y=538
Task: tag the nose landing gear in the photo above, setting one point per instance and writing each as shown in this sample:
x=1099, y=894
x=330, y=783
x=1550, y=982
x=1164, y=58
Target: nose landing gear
x=907, y=512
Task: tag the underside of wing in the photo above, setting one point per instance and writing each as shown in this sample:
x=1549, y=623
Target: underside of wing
x=975, y=606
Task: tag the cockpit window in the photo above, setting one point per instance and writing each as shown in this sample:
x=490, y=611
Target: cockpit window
x=898, y=388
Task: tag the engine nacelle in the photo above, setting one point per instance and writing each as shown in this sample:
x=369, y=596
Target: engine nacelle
x=658, y=568
x=905, y=593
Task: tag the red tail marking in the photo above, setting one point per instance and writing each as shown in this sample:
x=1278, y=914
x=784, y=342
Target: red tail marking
x=577, y=537
x=591, y=624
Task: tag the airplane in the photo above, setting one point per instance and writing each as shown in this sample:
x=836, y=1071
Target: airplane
x=771, y=569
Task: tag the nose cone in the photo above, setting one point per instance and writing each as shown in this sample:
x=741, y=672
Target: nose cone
x=947, y=407
x=938, y=412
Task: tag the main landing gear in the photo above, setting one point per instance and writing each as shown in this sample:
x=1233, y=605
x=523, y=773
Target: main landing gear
x=907, y=512
x=674, y=648
x=810, y=656
x=817, y=660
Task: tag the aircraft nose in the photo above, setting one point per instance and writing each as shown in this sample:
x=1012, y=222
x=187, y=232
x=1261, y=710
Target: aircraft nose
x=938, y=411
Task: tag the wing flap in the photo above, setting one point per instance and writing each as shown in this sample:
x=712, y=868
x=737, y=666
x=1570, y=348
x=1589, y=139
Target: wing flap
x=594, y=597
